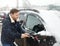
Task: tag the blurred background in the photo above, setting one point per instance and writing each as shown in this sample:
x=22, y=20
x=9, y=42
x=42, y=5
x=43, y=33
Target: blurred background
x=41, y=4
x=49, y=9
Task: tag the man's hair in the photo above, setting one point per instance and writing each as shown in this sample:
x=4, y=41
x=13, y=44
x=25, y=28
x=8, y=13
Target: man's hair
x=12, y=11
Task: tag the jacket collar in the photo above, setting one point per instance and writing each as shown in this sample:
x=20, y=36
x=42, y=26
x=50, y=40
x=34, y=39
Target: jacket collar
x=12, y=21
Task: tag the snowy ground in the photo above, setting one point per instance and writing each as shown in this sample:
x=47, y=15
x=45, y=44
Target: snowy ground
x=52, y=19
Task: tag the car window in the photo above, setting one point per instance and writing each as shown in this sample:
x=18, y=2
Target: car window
x=22, y=16
x=32, y=20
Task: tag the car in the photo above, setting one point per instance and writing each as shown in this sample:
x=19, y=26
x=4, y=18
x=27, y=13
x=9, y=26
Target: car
x=2, y=16
x=34, y=23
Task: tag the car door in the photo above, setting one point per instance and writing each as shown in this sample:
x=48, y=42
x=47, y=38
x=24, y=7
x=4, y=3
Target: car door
x=32, y=20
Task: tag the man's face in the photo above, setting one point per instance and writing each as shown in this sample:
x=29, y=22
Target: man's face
x=15, y=16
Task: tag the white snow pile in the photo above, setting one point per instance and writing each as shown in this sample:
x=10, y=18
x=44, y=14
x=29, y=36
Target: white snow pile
x=52, y=20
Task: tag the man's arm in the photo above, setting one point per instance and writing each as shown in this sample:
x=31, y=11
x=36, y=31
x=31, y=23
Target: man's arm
x=20, y=28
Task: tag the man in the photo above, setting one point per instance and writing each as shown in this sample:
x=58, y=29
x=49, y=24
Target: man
x=11, y=29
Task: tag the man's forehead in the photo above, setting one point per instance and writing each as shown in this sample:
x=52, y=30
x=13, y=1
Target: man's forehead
x=16, y=13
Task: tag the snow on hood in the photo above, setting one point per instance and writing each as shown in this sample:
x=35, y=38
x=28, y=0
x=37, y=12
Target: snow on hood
x=52, y=22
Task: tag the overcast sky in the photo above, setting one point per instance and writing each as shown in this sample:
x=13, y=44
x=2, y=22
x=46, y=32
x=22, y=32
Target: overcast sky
x=45, y=2
x=12, y=3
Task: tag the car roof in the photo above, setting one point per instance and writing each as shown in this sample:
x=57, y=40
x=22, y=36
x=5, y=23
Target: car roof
x=29, y=10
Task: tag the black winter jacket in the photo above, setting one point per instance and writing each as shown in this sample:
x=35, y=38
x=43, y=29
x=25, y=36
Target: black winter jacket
x=10, y=31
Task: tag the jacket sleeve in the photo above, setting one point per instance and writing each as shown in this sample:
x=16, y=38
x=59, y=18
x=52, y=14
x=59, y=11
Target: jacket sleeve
x=23, y=31
x=7, y=29
x=20, y=29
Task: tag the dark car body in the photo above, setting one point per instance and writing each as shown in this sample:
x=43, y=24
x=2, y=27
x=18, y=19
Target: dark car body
x=34, y=23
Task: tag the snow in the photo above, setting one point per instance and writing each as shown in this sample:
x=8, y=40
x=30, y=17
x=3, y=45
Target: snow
x=56, y=44
x=47, y=33
x=52, y=20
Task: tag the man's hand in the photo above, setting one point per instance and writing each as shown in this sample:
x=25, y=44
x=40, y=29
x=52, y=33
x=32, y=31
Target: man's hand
x=24, y=35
